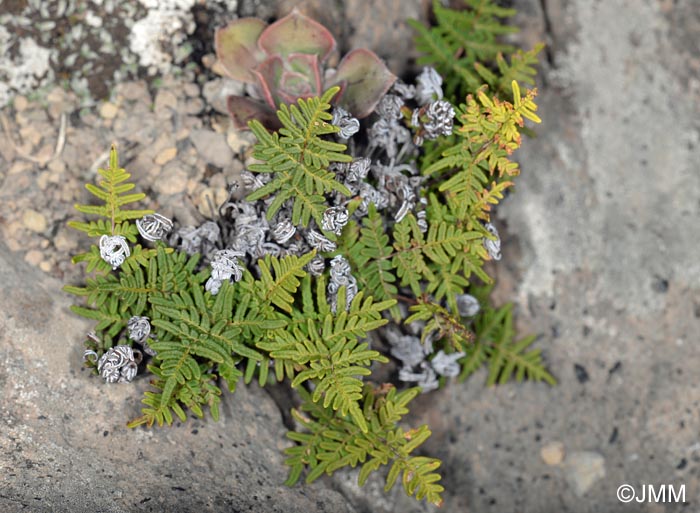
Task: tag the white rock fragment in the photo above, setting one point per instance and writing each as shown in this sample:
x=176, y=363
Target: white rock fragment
x=583, y=469
x=166, y=21
x=28, y=71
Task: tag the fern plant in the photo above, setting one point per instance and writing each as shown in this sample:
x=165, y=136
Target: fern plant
x=465, y=48
x=343, y=257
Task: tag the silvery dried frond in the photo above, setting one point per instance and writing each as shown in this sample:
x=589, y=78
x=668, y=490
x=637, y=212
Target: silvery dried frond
x=213, y=286
x=348, y=125
x=296, y=248
x=356, y=172
x=408, y=349
x=429, y=340
x=408, y=201
x=225, y=265
x=316, y=266
x=493, y=246
x=433, y=120
x=252, y=182
x=197, y=240
x=334, y=219
x=283, y=231
x=271, y=248
x=114, y=249
x=446, y=364
x=139, y=328
x=119, y=364
x=388, y=135
x=371, y=195
x=428, y=86
x=350, y=293
x=340, y=270
x=426, y=379
x=88, y=353
x=390, y=176
x=139, y=331
x=467, y=305
x=320, y=243
x=339, y=168
x=389, y=107
x=246, y=214
x=406, y=91
x=154, y=227
x=422, y=221
x=250, y=239
x=440, y=115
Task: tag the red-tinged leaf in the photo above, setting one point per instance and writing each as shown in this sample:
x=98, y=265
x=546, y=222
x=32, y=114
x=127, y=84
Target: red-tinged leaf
x=301, y=79
x=366, y=80
x=237, y=49
x=269, y=75
x=297, y=33
x=243, y=110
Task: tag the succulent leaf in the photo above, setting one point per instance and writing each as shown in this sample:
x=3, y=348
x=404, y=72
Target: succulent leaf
x=243, y=109
x=269, y=75
x=302, y=78
x=237, y=49
x=297, y=33
x=366, y=80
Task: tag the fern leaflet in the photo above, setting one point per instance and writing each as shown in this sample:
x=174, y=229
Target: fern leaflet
x=299, y=157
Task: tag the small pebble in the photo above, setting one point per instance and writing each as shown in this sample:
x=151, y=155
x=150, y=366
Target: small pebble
x=165, y=156
x=171, y=181
x=108, y=110
x=165, y=100
x=57, y=166
x=30, y=134
x=19, y=167
x=553, y=453
x=191, y=90
x=34, y=221
x=64, y=242
x=212, y=147
x=238, y=140
x=34, y=257
x=20, y=103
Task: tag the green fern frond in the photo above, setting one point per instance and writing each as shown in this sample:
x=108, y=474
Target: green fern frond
x=495, y=345
x=473, y=173
x=193, y=394
x=462, y=41
x=328, y=352
x=521, y=69
x=370, y=255
x=332, y=441
x=299, y=156
x=409, y=261
x=438, y=319
x=280, y=288
x=112, y=192
x=114, y=298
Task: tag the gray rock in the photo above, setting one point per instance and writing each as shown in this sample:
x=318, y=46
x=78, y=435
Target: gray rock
x=65, y=447
x=212, y=147
x=600, y=256
x=583, y=469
